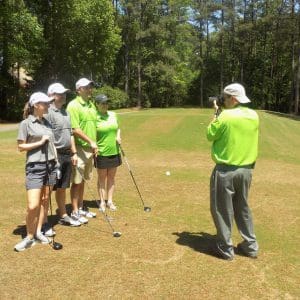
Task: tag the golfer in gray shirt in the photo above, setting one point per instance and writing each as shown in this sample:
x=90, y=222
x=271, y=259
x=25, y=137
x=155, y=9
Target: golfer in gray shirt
x=36, y=138
x=66, y=151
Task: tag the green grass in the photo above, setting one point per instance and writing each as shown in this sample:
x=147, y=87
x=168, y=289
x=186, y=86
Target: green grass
x=163, y=254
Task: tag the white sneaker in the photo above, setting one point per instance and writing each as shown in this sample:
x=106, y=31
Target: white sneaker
x=86, y=213
x=39, y=237
x=47, y=230
x=66, y=220
x=111, y=206
x=77, y=217
x=25, y=244
x=102, y=206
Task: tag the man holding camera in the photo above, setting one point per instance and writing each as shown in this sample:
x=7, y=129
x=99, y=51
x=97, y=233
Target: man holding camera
x=234, y=133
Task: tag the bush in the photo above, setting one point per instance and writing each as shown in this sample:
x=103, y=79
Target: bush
x=118, y=98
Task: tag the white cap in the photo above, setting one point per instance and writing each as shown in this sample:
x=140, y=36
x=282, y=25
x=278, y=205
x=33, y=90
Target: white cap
x=39, y=97
x=82, y=82
x=238, y=91
x=56, y=88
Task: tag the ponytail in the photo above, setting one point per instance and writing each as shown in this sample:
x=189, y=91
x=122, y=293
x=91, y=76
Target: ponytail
x=28, y=110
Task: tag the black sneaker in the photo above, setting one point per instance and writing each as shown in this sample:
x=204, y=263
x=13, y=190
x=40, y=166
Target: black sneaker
x=217, y=253
x=240, y=251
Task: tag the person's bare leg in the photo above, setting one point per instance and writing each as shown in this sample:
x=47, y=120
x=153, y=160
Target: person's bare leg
x=101, y=183
x=81, y=192
x=33, y=211
x=76, y=191
x=60, y=196
x=44, y=203
x=111, y=173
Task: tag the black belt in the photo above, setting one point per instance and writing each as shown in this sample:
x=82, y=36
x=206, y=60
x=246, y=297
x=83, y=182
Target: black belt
x=64, y=151
x=225, y=167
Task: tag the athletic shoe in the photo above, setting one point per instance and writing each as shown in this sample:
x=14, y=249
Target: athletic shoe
x=47, y=230
x=24, y=244
x=77, y=217
x=39, y=237
x=66, y=220
x=239, y=250
x=111, y=206
x=102, y=206
x=86, y=213
x=217, y=253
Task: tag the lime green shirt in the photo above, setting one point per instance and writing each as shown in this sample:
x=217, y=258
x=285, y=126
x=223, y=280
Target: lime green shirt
x=83, y=115
x=235, y=137
x=107, y=128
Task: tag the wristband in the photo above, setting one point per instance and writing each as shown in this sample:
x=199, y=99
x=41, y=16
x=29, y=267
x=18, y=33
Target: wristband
x=74, y=153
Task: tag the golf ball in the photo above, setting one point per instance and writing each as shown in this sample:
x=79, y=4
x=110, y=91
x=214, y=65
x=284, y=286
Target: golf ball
x=168, y=173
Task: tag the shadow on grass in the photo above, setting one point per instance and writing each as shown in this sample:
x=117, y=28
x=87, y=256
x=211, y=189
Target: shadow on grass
x=90, y=203
x=21, y=229
x=199, y=241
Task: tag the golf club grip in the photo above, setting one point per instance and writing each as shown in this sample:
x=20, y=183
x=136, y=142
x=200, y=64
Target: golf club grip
x=122, y=151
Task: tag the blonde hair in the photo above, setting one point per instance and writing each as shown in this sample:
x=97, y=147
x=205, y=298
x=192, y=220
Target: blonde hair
x=27, y=110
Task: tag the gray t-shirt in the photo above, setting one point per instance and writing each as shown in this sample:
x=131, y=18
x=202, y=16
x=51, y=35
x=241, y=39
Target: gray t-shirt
x=31, y=130
x=61, y=125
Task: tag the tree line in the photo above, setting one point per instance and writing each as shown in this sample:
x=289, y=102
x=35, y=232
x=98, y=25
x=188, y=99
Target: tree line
x=152, y=53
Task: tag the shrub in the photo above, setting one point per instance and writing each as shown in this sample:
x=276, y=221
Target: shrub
x=118, y=98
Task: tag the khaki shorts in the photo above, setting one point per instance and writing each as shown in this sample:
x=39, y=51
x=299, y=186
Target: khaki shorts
x=84, y=166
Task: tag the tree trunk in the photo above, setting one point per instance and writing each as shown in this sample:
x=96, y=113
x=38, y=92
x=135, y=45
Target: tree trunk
x=126, y=67
x=201, y=54
x=222, y=49
x=139, y=102
x=5, y=65
x=297, y=85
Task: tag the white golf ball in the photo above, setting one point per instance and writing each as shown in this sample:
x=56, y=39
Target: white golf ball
x=168, y=173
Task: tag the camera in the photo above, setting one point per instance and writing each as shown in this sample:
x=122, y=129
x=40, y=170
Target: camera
x=218, y=99
x=219, y=102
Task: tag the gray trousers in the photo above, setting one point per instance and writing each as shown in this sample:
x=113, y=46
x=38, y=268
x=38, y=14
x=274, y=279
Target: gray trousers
x=229, y=187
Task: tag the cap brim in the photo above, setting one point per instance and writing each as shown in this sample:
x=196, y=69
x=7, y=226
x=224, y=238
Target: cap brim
x=243, y=99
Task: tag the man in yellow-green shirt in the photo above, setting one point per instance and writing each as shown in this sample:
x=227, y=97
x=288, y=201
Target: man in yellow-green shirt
x=234, y=137
x=83, y=115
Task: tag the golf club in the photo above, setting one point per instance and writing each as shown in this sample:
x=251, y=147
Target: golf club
x=114, y=233
x=146, y=208
x=53, y=244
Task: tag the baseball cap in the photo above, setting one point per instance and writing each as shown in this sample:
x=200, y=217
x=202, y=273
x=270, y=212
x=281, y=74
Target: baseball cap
x=238, y=91
x=82, y=82
x=56, y=88
x=39, y=97
x=101, y=98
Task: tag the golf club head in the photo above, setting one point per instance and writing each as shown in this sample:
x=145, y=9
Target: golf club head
x=147, y=209
x=117, y=234
x=57, y=246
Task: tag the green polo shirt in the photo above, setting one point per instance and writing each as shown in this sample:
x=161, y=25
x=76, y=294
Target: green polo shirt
x=83, y=115
x=235, y=137
x=107, y=128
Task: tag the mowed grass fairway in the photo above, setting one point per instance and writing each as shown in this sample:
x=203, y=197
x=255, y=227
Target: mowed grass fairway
x=163, y=254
